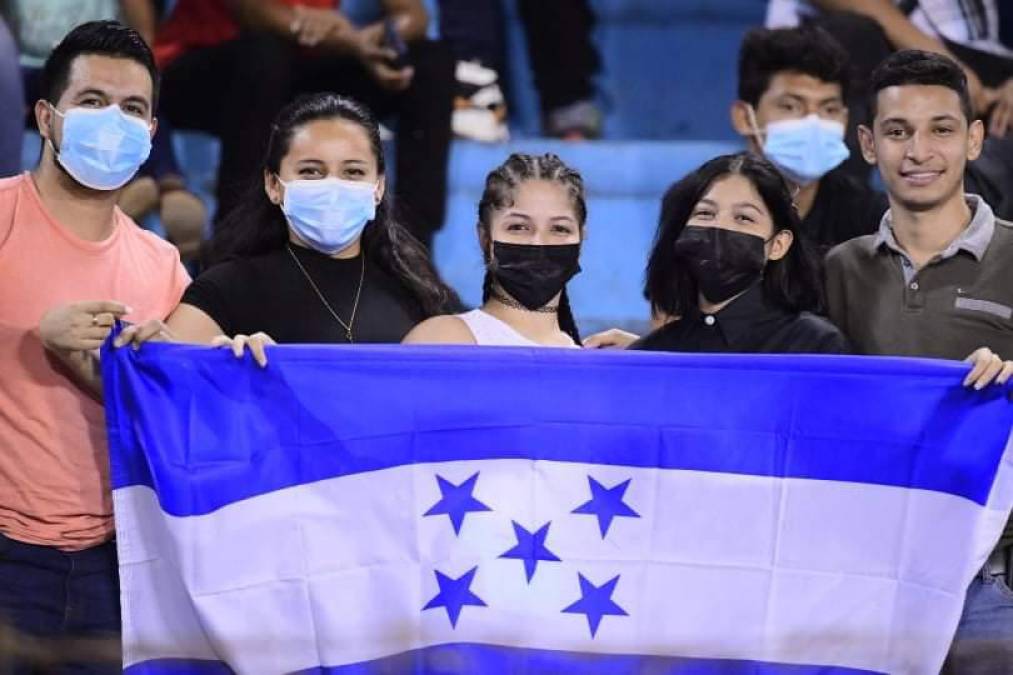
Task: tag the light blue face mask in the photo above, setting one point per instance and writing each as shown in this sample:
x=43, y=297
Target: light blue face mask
x=329, y=214
x=806, y=149
x=102, y=148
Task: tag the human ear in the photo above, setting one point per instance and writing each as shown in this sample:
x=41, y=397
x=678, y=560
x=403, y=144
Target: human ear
x=781, y=244
x=975, y=139
x=381, y=188
x=273, y=188
x=868, y=143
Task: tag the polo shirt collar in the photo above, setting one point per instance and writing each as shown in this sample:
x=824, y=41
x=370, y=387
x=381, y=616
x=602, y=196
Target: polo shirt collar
x=974, y=239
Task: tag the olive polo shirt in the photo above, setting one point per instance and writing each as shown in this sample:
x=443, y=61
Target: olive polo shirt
x=960, y=300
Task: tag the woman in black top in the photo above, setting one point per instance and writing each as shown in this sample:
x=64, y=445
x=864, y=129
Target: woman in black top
x=313, y=254
x=729, y=261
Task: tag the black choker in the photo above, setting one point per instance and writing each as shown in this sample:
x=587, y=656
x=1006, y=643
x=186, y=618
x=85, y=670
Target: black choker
x=504, y=299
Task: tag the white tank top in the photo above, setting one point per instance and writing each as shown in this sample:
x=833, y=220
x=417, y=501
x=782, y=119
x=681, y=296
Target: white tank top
x=490, y=331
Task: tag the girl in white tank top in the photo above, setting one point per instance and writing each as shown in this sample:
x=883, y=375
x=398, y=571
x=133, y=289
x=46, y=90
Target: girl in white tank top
x=531, y=224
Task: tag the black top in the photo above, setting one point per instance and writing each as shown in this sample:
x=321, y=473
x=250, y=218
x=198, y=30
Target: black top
x=269, y=293
x=844, y=208
x=747, y=324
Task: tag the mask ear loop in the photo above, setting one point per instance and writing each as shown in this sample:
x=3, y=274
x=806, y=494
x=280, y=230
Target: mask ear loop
x=52, y=130
x=754, y=125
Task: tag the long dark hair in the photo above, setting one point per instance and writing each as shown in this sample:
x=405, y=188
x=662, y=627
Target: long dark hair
x=500, y=189
x=791, y=282
x=256, y=226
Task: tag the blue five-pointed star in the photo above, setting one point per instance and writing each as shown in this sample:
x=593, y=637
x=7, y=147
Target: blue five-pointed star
x=456, y=501
x=455, y=594
x=530, y=548
x=596, y=602
x=607, y=503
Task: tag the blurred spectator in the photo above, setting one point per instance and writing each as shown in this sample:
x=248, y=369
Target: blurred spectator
x=230, y=65
x=977, y=34
x=38, y=26
x=792, y=86
x=12, y=105
x=563, y=59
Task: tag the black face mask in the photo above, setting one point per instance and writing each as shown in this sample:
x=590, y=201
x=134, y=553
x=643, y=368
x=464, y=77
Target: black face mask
x=723, y=262
x=533, y=275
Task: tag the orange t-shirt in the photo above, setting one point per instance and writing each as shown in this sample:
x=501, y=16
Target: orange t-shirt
x=54, y=465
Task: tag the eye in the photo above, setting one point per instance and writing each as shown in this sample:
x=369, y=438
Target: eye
x=134, y=109
x=896, y=133
x=355, y=173
x=742, y=217
x=833, y=110
x=91, y=102
x=944, y=131
x=516, y=226
x=787, y=106
x=562, y=229
x=310, y=172
x=703, y=213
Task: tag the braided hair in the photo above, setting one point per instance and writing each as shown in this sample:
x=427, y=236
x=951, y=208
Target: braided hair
x=500, y=190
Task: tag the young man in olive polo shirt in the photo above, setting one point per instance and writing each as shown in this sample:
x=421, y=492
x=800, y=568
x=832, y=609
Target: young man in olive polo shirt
x=936, y=280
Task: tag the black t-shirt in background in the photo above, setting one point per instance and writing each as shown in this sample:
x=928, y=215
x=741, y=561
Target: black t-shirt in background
x=844, y=208
x=269, y=293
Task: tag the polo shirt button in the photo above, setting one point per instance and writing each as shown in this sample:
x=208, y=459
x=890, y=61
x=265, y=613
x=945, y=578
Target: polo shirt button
x=914, y=286
x=709, y=320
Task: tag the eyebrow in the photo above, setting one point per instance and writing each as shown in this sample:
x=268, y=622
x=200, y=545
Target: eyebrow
x=518, y=214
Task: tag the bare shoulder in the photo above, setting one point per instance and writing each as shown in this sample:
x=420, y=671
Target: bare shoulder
x=441, y=330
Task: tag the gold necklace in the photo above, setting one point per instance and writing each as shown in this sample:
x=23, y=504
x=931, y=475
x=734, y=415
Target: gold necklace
x=358, y=292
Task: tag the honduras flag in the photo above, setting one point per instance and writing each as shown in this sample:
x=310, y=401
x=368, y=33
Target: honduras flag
x=494, y=510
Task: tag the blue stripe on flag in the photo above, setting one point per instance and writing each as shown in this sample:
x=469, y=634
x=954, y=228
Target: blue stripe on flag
x=210, y=430
x=475, y=658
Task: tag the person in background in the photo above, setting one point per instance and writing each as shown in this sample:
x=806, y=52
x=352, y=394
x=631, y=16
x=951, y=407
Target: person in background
x=230, y=66
x=71, y=263
x=12, y=104
x=792, y=87
x=935, y=281
x=314, y=253
x=530, y=226
x=563, y=59
x=730, y=262
x=976, y=34
x=39, y=25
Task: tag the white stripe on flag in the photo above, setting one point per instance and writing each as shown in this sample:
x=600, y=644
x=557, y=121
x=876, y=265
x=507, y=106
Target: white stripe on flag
x=716, y=566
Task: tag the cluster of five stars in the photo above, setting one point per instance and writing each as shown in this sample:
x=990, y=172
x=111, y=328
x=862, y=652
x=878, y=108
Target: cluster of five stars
x=595, y=601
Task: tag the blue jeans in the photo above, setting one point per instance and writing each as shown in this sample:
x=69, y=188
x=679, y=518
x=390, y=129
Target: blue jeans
x=60, y=595
x=983, y=644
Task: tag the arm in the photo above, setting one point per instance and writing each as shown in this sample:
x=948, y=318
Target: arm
x=309, y=26
x=903, y=34
x=140, y=15
x=440, y=330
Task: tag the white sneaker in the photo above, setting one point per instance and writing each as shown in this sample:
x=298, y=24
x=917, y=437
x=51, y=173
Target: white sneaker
x=479, y=107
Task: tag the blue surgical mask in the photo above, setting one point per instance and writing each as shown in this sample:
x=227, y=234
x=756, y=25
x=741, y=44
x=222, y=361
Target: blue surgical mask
x=329, y=214
x=102, y=148
x=806, y=149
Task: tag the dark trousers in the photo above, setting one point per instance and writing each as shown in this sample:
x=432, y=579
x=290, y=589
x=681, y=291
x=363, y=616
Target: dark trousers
x=234, y=90
x=50, y=594
x=563, y=58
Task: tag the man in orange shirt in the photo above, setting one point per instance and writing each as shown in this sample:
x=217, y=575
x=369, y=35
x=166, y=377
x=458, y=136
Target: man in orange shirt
x=70, y=263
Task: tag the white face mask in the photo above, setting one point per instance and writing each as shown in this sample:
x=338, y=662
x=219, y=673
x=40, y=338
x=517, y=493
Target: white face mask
x=329, y=214
x=803, y=149
x=102, y=148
